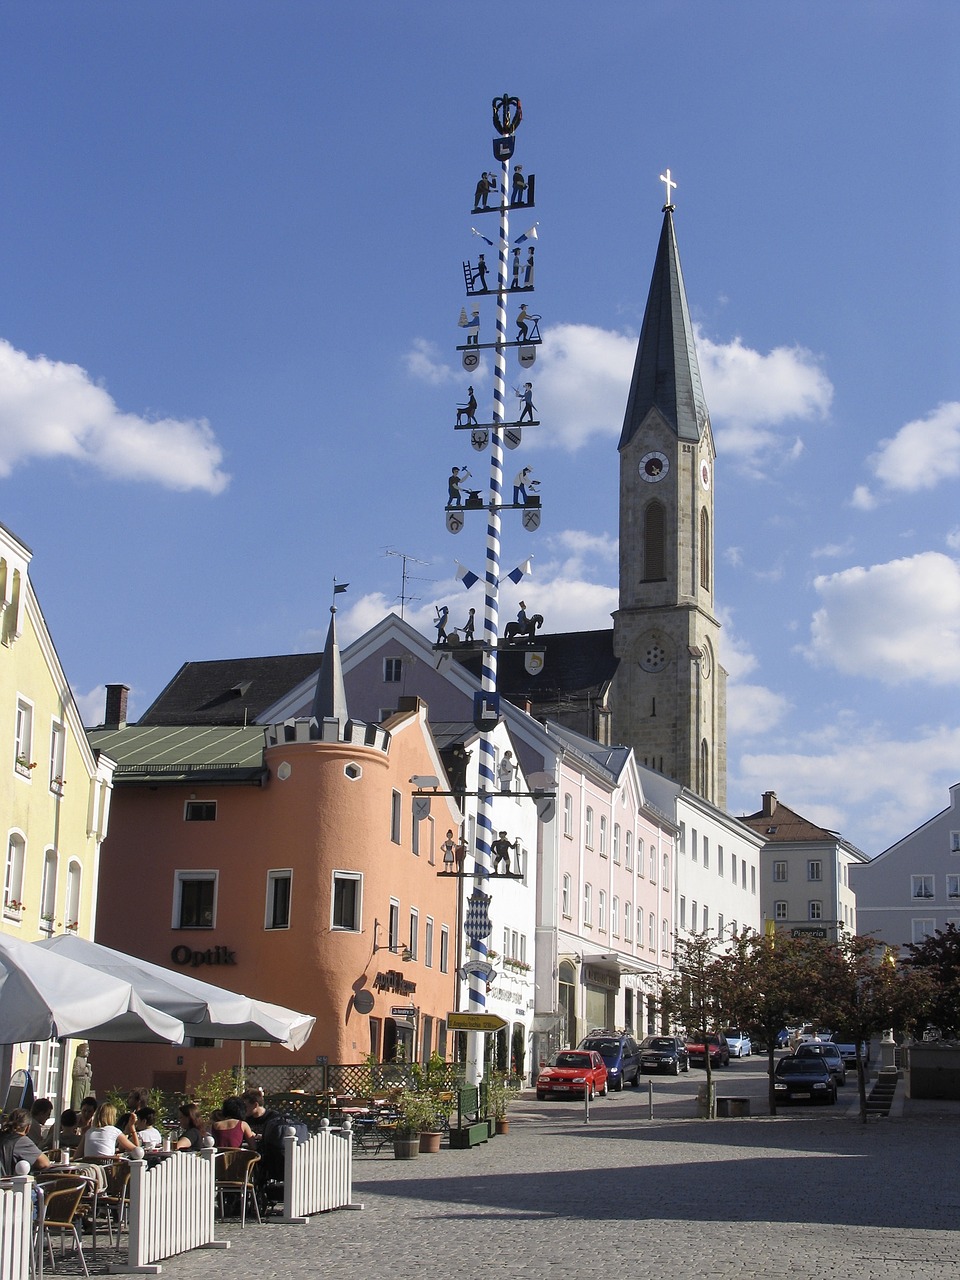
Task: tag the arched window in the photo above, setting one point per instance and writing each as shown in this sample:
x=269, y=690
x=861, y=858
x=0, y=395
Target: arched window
x=704, y=549
x=72, y=904
x=13, y=878
x=705, y=769
x=48, y=891
x=654, y=545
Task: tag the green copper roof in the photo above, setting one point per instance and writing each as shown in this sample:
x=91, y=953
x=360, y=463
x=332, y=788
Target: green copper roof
x=666, y=375
x=175, y=753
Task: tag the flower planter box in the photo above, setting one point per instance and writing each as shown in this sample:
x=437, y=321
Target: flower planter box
x=406, y=1148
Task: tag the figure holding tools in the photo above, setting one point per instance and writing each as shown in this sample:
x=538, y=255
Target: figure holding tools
x=468, y=411
x=457, y=477
x=525, y=394
x=471, y=324
x=519, y=185
x=443, y=613
x=501, y=852
x=524, y=320
x=487, y=183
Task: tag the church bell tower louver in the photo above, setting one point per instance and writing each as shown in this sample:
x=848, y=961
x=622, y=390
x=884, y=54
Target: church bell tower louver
x=669, y=694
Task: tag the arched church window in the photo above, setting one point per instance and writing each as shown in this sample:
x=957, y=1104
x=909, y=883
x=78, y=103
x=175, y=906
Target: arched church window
x=704, y=549
x=705, y=770
x=654, y=544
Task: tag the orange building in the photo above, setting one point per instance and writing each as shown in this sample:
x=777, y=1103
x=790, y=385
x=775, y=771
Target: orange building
x=282, y=862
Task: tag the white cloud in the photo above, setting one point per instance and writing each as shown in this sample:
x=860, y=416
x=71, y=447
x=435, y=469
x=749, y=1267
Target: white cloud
x=753, y=710
x=832, y=550
x=872, y=766
x=862, y=499
x=583, y=380
x=953, y=538
x=579, y=548
x=895, y=622
x=922, y=453
x=49, y=409
x=425, y=363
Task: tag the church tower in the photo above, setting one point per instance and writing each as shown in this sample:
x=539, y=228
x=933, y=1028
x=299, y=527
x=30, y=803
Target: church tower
x=669, y=692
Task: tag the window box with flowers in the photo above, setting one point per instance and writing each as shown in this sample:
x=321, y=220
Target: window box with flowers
x=57, y=784
x=25, y=766
x=518, y=966
x=72, y=926
x=13, y=909
x=47, y=923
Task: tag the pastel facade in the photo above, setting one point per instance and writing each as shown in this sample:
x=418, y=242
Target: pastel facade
x=54, y=791
x=912, y=889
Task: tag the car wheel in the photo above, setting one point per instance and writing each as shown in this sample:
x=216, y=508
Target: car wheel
x=686, y=1065
x=636, y=1079
x=606, y=1088
x=618, y=1087
x=676, y=1068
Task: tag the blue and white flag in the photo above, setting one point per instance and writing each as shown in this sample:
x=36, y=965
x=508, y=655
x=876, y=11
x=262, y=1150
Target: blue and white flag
x=528, y=235
x=520, y=571
x=466, y=576
x=482, y=237
x=477, y=924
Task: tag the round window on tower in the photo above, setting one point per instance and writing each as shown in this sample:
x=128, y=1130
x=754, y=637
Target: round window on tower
x=653, y=655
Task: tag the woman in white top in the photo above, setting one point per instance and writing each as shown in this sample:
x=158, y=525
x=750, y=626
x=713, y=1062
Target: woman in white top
x=103, y=1138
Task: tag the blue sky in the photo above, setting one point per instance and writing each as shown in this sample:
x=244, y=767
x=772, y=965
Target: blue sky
x=230, y=247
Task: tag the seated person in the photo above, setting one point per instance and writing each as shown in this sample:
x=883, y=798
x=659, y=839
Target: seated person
x=192, y=1128
x=230, y=1129
x=150, y=1135
x=104, y=1138
x=258, y=1115
x=70, y=1135
x=16, y=1145
x=41, y=1131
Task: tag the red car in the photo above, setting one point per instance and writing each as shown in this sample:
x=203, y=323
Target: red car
x=719, y=1049
x=572, y=1073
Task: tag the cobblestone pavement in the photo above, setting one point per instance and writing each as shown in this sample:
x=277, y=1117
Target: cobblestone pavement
x=797, y=1194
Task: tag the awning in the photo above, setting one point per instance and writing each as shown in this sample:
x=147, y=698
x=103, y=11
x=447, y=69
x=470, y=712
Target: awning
x=617, y=965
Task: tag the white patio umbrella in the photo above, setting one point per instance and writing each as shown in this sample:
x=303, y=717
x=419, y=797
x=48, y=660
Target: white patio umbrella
x=51, y=997
x=207, y=1011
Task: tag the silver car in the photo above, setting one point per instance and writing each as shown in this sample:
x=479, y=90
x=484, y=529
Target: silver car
x=739, y=1042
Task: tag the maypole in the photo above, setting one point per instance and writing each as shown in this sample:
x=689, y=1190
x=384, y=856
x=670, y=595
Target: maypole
x=499, y=433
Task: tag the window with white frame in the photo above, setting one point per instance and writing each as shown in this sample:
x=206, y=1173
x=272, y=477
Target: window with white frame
x=393, y=925
x=694, y=844
x=814, y=869
x=602, y=911
x=603, y=835
x=719, y=925
x=588, y=905
x=279, y=885
x=23, y=738
x=628, y=853
x=683, y=837
x=414, y=944
x=71, y=903
x=706, y=853
x=665, y=873
x=719, y=859
x=733, y=867
x=194, y=900
x=615, y=918
x=743, y=873
x=706, y=918
x=694, y=915
x=568, y=814
x=955, y=841
x=733, y=928
x=921, y=886
x=13, y=876
x=652, y=931
x=780, y=910
x=616, y=843
x=753, y=878
x=814, y=910
x=639, y=926
x=683, y=912
x=588, y=827
x=48, y=891
x=664, y=934
x=565, y=897
x=653, y=864
x=392, y=670
x=628, y=922
x=922, y=929
x=58, y=751
x=953, y=886
x=444, y=949
x=347, y=893
x=780, y=871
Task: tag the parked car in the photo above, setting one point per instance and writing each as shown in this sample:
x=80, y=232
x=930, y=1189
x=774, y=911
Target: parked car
x=848, y=1049
x=831, y=1056
x=664, y=1053
x=719, y=1049
x=621, y=1056
x=809, y=1034
x=739, y=1042
x=804, y=1080
x=571, y=1072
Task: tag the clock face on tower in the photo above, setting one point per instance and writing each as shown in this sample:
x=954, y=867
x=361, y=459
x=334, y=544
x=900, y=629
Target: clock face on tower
x=653, y=467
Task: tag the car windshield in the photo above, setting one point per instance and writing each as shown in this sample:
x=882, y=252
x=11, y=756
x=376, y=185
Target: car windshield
x=818, y=1051
x=572, y=1060
x=658, y=1042
x=602, y=1046
x=812, y=1066
x=733, y=1034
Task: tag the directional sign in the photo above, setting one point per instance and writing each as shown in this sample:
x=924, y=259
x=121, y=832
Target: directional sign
x=403, y=1011
x=475, y=1022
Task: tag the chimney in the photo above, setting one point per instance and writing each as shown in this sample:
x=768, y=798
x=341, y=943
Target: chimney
x=115, y=713
x=769, y=803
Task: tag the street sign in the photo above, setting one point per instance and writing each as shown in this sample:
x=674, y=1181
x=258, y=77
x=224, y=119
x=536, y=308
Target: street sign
x=475, y=1022
x=403, y=1011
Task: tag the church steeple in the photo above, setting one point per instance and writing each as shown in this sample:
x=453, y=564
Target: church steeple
x=666, y=375
x=669, y=692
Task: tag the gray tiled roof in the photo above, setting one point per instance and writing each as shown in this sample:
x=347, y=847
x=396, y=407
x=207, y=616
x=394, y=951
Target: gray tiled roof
x=229, y=691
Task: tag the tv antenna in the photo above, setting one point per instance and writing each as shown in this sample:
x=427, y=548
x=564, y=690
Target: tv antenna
x=405, y=577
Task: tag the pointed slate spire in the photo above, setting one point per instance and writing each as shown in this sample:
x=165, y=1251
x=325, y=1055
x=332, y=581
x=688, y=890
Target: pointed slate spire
x=330, y=699
x=666, y=374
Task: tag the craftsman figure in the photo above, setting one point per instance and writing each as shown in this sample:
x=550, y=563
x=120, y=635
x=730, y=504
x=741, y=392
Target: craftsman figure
x=526, y=395
x=501, y=851
x=506, y=770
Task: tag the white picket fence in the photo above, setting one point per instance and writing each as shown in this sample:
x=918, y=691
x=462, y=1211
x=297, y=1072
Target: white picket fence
x=318, y=1173
x=16, y=1228
x=171, y=1210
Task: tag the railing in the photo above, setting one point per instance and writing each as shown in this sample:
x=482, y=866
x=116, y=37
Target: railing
x=318, y=1173
x=171, y=1210
x=16, y=1218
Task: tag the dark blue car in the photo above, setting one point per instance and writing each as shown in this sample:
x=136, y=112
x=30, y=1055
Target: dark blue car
x=620, y=1053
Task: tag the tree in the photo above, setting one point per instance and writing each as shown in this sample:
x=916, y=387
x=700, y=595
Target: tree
x=690, y=996
x=869, y=993
x=939, y=958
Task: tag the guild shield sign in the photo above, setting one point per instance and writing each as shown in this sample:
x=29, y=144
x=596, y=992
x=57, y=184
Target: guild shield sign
x=526, y=356
x=533, y=661
x=531, y=518
x=477, y=924
x=421, y=808
x=512, y=436
x=471, y=360
x=479, y=439
x=454, y=521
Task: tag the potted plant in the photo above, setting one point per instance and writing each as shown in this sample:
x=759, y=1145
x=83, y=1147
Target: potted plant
x=498, y=1099
x=416, y=1113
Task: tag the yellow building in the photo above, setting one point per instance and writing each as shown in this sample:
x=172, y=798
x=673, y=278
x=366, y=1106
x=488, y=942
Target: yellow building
x=54, y=795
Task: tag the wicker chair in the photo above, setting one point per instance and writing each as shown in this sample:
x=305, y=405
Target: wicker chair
x=60, y=1208
x=235, y=1177
x=116, y=1197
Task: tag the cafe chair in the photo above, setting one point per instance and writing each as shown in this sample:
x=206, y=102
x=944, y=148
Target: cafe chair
x=235, y=1177
x=115, y=1198
x=60, y=1209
